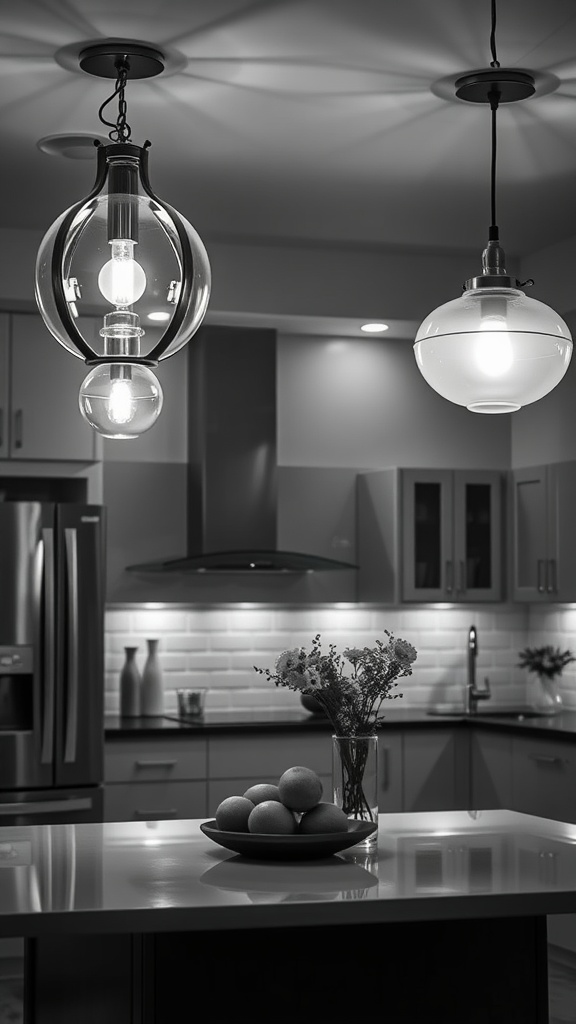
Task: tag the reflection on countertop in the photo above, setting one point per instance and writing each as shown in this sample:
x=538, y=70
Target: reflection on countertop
x=165, y=875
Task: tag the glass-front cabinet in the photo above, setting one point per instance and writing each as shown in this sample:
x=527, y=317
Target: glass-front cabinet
x=451, y=535
x=543, y=545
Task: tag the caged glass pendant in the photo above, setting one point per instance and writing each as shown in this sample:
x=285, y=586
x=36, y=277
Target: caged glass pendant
x=127, y=257
x=493, y=350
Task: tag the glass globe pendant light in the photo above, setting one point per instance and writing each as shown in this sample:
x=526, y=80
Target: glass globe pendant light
x=493, y=350
x=120, y=254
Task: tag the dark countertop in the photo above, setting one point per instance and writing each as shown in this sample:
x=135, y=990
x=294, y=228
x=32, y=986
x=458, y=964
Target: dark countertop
x=163, y=876
x=214, y=722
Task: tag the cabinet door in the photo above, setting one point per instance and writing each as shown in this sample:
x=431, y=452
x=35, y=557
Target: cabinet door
x=491, y=770
x=264, y=758
x=4, y=385
x=45, y=418
x=560, y=577
x=155, y=801
x=529, y=533
x=389, y=771
x=428, y=572
x=436, y=769
x=544, y=777
x=478, y=535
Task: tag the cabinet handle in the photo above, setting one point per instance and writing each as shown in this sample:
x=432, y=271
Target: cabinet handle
x=18, y=431
x=449, y=576
x=1, y=427
x=546, y=759
x=384, y=754
x=168, y=812
x=552, y=582
x=540, y=576
x=155, y=764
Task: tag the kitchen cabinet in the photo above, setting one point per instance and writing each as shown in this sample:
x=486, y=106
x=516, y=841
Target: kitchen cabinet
x=436, y=776
x=155, y=778
x=491, y=769
x=39, y=414
x=431, y=535
x=543, y=552
x=544, y=777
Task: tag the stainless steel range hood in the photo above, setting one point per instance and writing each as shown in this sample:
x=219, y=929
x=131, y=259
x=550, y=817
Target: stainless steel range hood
x=233, y=523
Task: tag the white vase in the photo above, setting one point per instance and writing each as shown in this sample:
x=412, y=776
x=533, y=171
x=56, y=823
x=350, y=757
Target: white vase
x=152, y=689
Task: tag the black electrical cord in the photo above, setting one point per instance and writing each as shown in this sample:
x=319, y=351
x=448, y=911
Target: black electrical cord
x=494, y=98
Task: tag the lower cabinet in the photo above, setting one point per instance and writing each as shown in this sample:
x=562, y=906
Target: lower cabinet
x=544, y=777
x=436, y=769
x=155, y=778
x=491, y=769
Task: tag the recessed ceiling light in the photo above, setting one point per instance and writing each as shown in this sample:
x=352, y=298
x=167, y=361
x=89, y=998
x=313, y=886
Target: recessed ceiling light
x=374, y=328
x=159, y=316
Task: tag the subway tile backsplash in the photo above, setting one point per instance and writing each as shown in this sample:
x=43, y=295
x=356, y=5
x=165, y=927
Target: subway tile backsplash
x=218, y=647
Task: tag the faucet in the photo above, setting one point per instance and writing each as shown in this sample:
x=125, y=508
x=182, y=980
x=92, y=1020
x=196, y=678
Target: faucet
x=472, y=693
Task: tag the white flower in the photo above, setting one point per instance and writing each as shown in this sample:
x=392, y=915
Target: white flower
x=288, y=660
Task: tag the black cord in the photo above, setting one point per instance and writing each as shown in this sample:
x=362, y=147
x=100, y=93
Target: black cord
x=494, y=63
x=121, y=130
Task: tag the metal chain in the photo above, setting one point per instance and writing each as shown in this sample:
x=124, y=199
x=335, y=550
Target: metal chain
x=121, y=130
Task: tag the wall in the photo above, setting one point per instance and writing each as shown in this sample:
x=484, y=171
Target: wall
x=219, y=646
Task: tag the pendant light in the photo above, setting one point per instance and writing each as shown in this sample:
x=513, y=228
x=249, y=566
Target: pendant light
x=493, y=349
x=121, y=254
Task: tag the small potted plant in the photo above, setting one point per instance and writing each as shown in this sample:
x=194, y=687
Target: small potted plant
x=547, y=664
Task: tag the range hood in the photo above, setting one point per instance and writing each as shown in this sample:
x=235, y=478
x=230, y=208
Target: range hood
x=232, y=500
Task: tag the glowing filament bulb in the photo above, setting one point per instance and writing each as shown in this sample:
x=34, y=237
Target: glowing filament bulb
x=122, y=280
x=121, y=406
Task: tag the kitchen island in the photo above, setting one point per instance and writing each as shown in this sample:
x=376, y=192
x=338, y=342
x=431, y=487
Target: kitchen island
x=146, y=921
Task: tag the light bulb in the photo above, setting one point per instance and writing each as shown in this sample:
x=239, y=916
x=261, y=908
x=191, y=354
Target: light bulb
x=122, y=280
x=120, y=400
x=121, y=405
x=493, y=349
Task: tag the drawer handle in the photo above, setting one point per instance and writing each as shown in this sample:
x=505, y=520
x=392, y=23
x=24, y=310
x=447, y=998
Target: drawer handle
x=155, y=764
x=546, y=759
x=168, y=812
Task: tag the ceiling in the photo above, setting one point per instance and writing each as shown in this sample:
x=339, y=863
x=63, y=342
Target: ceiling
x=314, y=120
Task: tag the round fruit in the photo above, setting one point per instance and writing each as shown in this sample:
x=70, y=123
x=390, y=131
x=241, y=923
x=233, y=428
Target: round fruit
x=324, y=817
x=272, y=818
x=262, y=791
x=300, y=788
x=232, y=814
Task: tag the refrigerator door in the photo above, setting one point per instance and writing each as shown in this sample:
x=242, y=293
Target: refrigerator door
x=79, y=758
x=27, y=676
x=50, y=807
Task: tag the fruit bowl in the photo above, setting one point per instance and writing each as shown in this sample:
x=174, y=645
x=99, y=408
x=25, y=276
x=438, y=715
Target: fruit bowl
x=288, y=847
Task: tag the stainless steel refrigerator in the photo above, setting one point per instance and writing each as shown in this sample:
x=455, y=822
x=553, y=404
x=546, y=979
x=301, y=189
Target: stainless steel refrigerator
x=52, y=577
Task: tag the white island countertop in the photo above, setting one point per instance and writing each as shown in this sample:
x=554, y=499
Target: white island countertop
x=166, y=876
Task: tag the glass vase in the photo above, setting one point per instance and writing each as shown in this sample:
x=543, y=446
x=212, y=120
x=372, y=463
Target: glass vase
x=355, y=781
x=545, y=697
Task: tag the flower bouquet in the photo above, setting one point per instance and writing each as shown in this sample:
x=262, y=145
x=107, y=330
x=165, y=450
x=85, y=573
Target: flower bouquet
x=351, y=688
x=546, y=663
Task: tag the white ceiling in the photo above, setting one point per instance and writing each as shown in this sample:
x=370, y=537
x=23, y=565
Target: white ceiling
x=304, y=119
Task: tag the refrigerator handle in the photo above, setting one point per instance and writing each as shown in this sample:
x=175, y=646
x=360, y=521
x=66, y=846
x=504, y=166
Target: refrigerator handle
x=47, y=646
x=71, y=726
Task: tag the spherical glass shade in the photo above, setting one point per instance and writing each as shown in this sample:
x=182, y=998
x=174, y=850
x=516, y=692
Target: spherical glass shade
x=120, y=400
x=493, y=350
x=122, y=250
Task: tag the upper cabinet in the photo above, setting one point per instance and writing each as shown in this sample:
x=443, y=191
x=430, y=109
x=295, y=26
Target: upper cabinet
x=543, y=554
x=39, y=384
x=430, y=535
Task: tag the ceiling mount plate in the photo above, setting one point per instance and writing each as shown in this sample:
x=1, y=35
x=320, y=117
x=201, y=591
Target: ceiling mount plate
x=101, y=59
x=511, y=84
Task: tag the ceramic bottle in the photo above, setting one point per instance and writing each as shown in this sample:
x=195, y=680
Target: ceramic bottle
x=152, y=688
x=130, y=684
